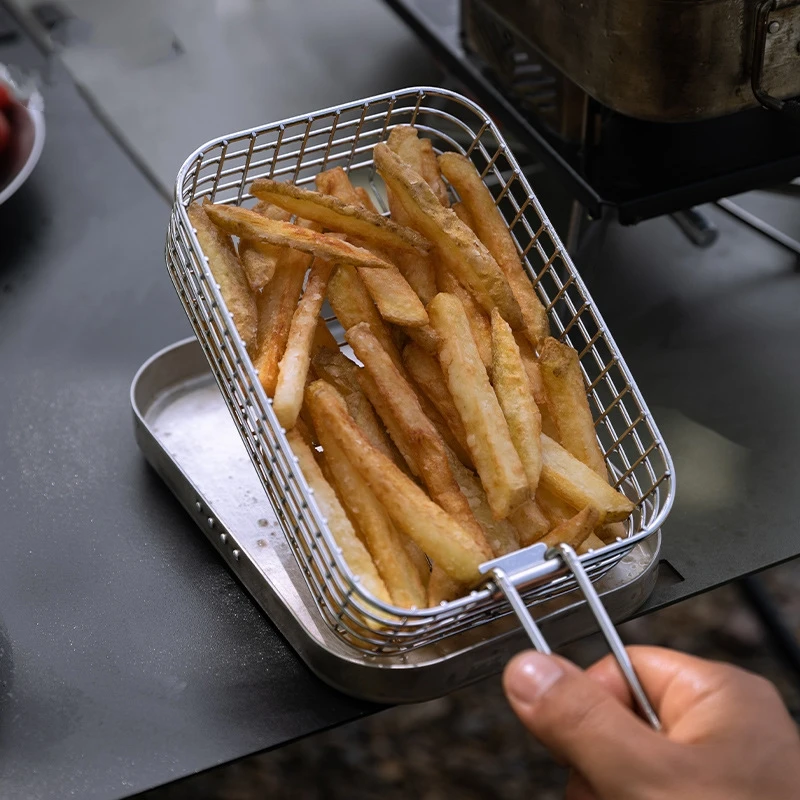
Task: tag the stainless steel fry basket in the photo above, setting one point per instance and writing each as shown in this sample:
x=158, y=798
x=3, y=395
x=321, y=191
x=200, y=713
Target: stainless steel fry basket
x=296, y=150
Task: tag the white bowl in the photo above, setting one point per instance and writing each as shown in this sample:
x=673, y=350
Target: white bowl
x=27, y=139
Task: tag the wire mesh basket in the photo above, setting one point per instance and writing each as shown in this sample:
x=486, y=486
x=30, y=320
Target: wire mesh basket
x=297, y=150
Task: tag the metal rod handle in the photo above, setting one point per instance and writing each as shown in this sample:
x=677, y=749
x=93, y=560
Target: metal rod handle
x=573, y=564
x=570, y=558
x=526, y=620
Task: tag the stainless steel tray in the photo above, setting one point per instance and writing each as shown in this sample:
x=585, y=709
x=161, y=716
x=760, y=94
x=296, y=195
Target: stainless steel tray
x=185, y=431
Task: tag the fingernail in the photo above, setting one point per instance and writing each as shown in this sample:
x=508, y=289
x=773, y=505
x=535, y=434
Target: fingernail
x=530, y=676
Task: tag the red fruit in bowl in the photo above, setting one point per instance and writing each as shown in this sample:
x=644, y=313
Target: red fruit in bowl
x=6, y=97
x=5, y=132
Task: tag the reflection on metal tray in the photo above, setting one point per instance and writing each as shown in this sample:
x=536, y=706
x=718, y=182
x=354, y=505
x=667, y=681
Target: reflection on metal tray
x=185, y=431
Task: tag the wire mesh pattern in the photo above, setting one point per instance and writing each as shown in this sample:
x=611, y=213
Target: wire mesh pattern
x=297, y=150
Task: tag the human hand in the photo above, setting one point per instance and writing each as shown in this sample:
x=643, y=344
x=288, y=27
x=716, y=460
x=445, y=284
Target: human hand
x=727, y=734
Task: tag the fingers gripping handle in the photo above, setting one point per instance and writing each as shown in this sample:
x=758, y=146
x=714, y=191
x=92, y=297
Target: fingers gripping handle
x=573, y=564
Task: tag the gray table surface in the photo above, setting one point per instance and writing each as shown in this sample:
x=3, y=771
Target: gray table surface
x=129, y=656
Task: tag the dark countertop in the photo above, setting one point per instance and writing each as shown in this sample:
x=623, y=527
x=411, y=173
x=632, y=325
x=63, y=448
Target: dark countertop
x=129, y=655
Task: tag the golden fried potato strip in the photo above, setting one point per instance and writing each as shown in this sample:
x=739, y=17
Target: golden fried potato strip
x=248, y=224
x=488, y=437
x=419, y=434
x=296, y=359
x=259, y=262
x=411, y=510
x=574, y=531
x=227, y=271
x=395, y=566
x=491, y=229
x=514, y=394
x=568, y=404
x=354, y=552
x=276, y=304
x=332, y=213
x=578, y=485
x=428, y=376
x=457, y=245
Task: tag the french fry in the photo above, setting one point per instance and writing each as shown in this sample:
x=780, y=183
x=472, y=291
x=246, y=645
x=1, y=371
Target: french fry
x=385, y=544
x=532, y=370
x=457, y=245
x=568, y=405
x=331, y=213
x=305, y=430
x=396, y=300
x=418, y=154
x=529, y=522
x=411, y=510
x=478, y=320
x=499, y=533
x=419, y=271
x=492, y=230
x=396, y=433
x=442, y=587
x=296, y=359
x=419, y=434
x=227, y=271
x=578, y=485
x=323, y=338
x=336, y=183
x=431, y=171
x=338, y=370
x=462, y=212
x=592, y=542
x=276, y=304
x=554, y=508
x=354, y=552
x=366, y=200
x=611, y=532
x=424, y=337
x=575, y=531
x=259, y=264
x=428, y=376
x=247, y=224
x=513, y=392
x=352, y=304
x=488, y=437
x=404, y=142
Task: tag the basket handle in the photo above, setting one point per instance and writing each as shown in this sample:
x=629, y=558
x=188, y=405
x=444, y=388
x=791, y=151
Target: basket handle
x=501, y=578
x=791, y=106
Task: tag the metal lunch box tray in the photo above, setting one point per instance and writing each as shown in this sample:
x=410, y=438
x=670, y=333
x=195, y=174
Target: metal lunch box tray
x=350, y=638
x=185, y=431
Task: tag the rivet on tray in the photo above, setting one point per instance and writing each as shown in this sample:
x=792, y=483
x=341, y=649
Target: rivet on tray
x=198, y=505
x=211, y=522
x=236, y=554
x=223, y=537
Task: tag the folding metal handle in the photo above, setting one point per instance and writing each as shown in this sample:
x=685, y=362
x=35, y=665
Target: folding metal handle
x=570, y=559
x=763, y=29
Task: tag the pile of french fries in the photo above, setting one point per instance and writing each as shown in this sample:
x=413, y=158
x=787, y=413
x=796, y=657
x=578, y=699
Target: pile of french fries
x=461, y=431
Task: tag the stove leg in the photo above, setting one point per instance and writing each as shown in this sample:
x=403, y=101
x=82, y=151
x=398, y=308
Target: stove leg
x=781, y=638
x=758, y=225
x=696, y=227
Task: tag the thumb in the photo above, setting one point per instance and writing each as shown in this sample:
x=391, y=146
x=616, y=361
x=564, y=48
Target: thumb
x=583, y=724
